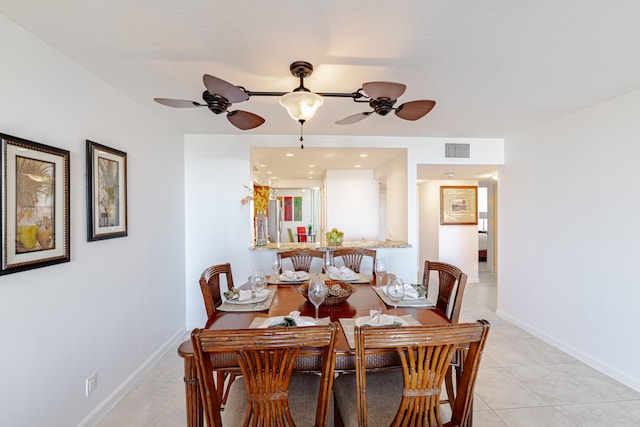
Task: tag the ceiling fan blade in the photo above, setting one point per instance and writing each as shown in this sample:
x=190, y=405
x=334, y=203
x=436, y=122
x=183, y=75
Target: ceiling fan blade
x=178, y=103
x=244, y=120
x=354, y=118
x=377, y=90
x=217, y=86
x=414, y=110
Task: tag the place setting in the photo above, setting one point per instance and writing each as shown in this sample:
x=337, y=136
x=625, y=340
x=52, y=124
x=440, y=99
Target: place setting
x=258, y=298
x=394, y=292
x=375, y=319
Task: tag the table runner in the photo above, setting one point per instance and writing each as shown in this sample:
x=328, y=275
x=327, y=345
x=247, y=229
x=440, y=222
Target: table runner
x=363, y=279
x=259, y=320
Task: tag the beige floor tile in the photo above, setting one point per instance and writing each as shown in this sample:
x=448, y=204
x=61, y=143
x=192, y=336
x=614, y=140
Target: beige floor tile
x=618, y=414
x=499, y=389
x=534, y=417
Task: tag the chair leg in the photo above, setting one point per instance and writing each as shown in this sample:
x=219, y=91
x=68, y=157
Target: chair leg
x=223, y=384
x=448, y=382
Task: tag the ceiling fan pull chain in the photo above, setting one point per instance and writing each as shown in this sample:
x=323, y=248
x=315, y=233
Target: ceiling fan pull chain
x=301, y=134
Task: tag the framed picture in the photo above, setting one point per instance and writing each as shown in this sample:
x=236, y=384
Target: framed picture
x=106, y=192
x=34, y=205
x=458, y=205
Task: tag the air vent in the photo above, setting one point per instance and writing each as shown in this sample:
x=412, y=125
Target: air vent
x=458, y=151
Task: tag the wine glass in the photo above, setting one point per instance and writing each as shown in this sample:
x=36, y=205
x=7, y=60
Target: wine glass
x=328, y=261
x=395, y=290
x=317, y=292
x=275, y=267
x=259, y=283
x=381, y=270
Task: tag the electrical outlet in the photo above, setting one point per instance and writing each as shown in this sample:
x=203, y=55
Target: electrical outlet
x=91, y=384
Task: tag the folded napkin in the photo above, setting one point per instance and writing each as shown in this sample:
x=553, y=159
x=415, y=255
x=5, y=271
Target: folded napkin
x=343, y=272
x=295, y=275
x=377, y=319
x=293, y=319
x=410, y=292
x=239, y=294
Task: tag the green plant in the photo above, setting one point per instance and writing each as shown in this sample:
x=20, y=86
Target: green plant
x=33, y=182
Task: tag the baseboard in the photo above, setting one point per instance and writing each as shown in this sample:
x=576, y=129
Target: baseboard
x=106, y=405
x=597, y=364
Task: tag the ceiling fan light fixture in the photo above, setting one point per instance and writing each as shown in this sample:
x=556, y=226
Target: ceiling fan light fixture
x=301, y=105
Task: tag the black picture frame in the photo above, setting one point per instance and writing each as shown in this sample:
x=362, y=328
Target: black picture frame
x=34, y=205
x=106, y=192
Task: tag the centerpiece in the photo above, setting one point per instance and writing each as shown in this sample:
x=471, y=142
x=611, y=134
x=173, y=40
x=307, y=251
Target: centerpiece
x=334, y=237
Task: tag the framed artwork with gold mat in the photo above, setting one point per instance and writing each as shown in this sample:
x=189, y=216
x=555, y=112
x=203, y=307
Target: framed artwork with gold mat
x=459, y=205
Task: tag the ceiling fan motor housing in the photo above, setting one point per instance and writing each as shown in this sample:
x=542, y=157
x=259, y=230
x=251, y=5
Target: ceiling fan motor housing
x=215, y=103
x=382, y=106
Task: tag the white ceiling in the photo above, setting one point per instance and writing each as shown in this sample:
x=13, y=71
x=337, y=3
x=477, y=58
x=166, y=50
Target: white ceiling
x=495, y=67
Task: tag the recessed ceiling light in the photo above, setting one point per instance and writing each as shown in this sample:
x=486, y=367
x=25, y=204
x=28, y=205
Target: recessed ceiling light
x=450, y=174
x=312, y=166
x=357, y=166
x=289, y=155
x=269, y=173
x=364, y=155
x=310, y=172
x=263, y=166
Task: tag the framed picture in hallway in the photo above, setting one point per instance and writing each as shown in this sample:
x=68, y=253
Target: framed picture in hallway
x=459, y=205
x=106, y=192
x=34, y=205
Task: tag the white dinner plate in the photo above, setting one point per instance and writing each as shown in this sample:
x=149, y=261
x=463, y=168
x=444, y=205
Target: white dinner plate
x=350, y=279
x=305, y=276
x=258, y=298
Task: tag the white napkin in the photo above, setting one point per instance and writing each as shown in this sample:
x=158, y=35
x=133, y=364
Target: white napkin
x=409, y=292
x=342, y=272
x=295, y=275
x=294, y=317
x=245, y=295
x=376, y=319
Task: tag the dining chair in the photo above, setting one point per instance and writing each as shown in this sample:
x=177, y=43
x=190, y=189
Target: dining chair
x=302, y=234
x=451, y=285
x=352, y=257
x=210, y=286
x=300, y=258
x=212, y=296
x=409, y=396
x=269, y=393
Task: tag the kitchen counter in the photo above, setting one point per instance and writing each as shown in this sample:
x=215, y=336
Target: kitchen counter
x=368, y=244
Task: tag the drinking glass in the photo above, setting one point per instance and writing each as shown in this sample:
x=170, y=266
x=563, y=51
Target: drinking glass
x=317, y=292
x=275, y=267
x=259, y=283
x=395, y=290
x=381, y=270
x=328, y=261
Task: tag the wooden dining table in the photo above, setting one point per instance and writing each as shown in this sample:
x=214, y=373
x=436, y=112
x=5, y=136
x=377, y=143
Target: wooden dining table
x=286, y=300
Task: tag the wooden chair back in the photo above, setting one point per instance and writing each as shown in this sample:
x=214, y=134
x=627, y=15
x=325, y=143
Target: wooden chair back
x=266, y=358
x=451, y=284
x=352, y=257
x=210, y=286
x=425, y=353
x=300, y=258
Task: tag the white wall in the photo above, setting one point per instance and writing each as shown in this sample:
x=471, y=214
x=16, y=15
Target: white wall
x=352, y=203
x=119, y=302
x=569, y=233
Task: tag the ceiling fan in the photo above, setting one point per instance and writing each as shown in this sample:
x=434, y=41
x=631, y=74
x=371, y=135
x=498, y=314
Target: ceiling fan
x=302, y=103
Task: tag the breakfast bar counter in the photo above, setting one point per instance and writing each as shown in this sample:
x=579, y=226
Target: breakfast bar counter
x=323, y=246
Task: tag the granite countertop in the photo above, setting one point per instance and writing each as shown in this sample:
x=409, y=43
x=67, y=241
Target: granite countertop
x=368, y=244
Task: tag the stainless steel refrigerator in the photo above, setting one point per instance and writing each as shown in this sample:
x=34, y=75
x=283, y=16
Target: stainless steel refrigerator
x=275, y=216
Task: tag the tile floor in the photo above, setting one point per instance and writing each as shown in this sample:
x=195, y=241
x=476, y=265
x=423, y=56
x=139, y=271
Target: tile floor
x=522, y=382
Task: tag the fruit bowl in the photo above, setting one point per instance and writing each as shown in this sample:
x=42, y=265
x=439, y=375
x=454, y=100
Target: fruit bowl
x=334, y=237
x=338, y=291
